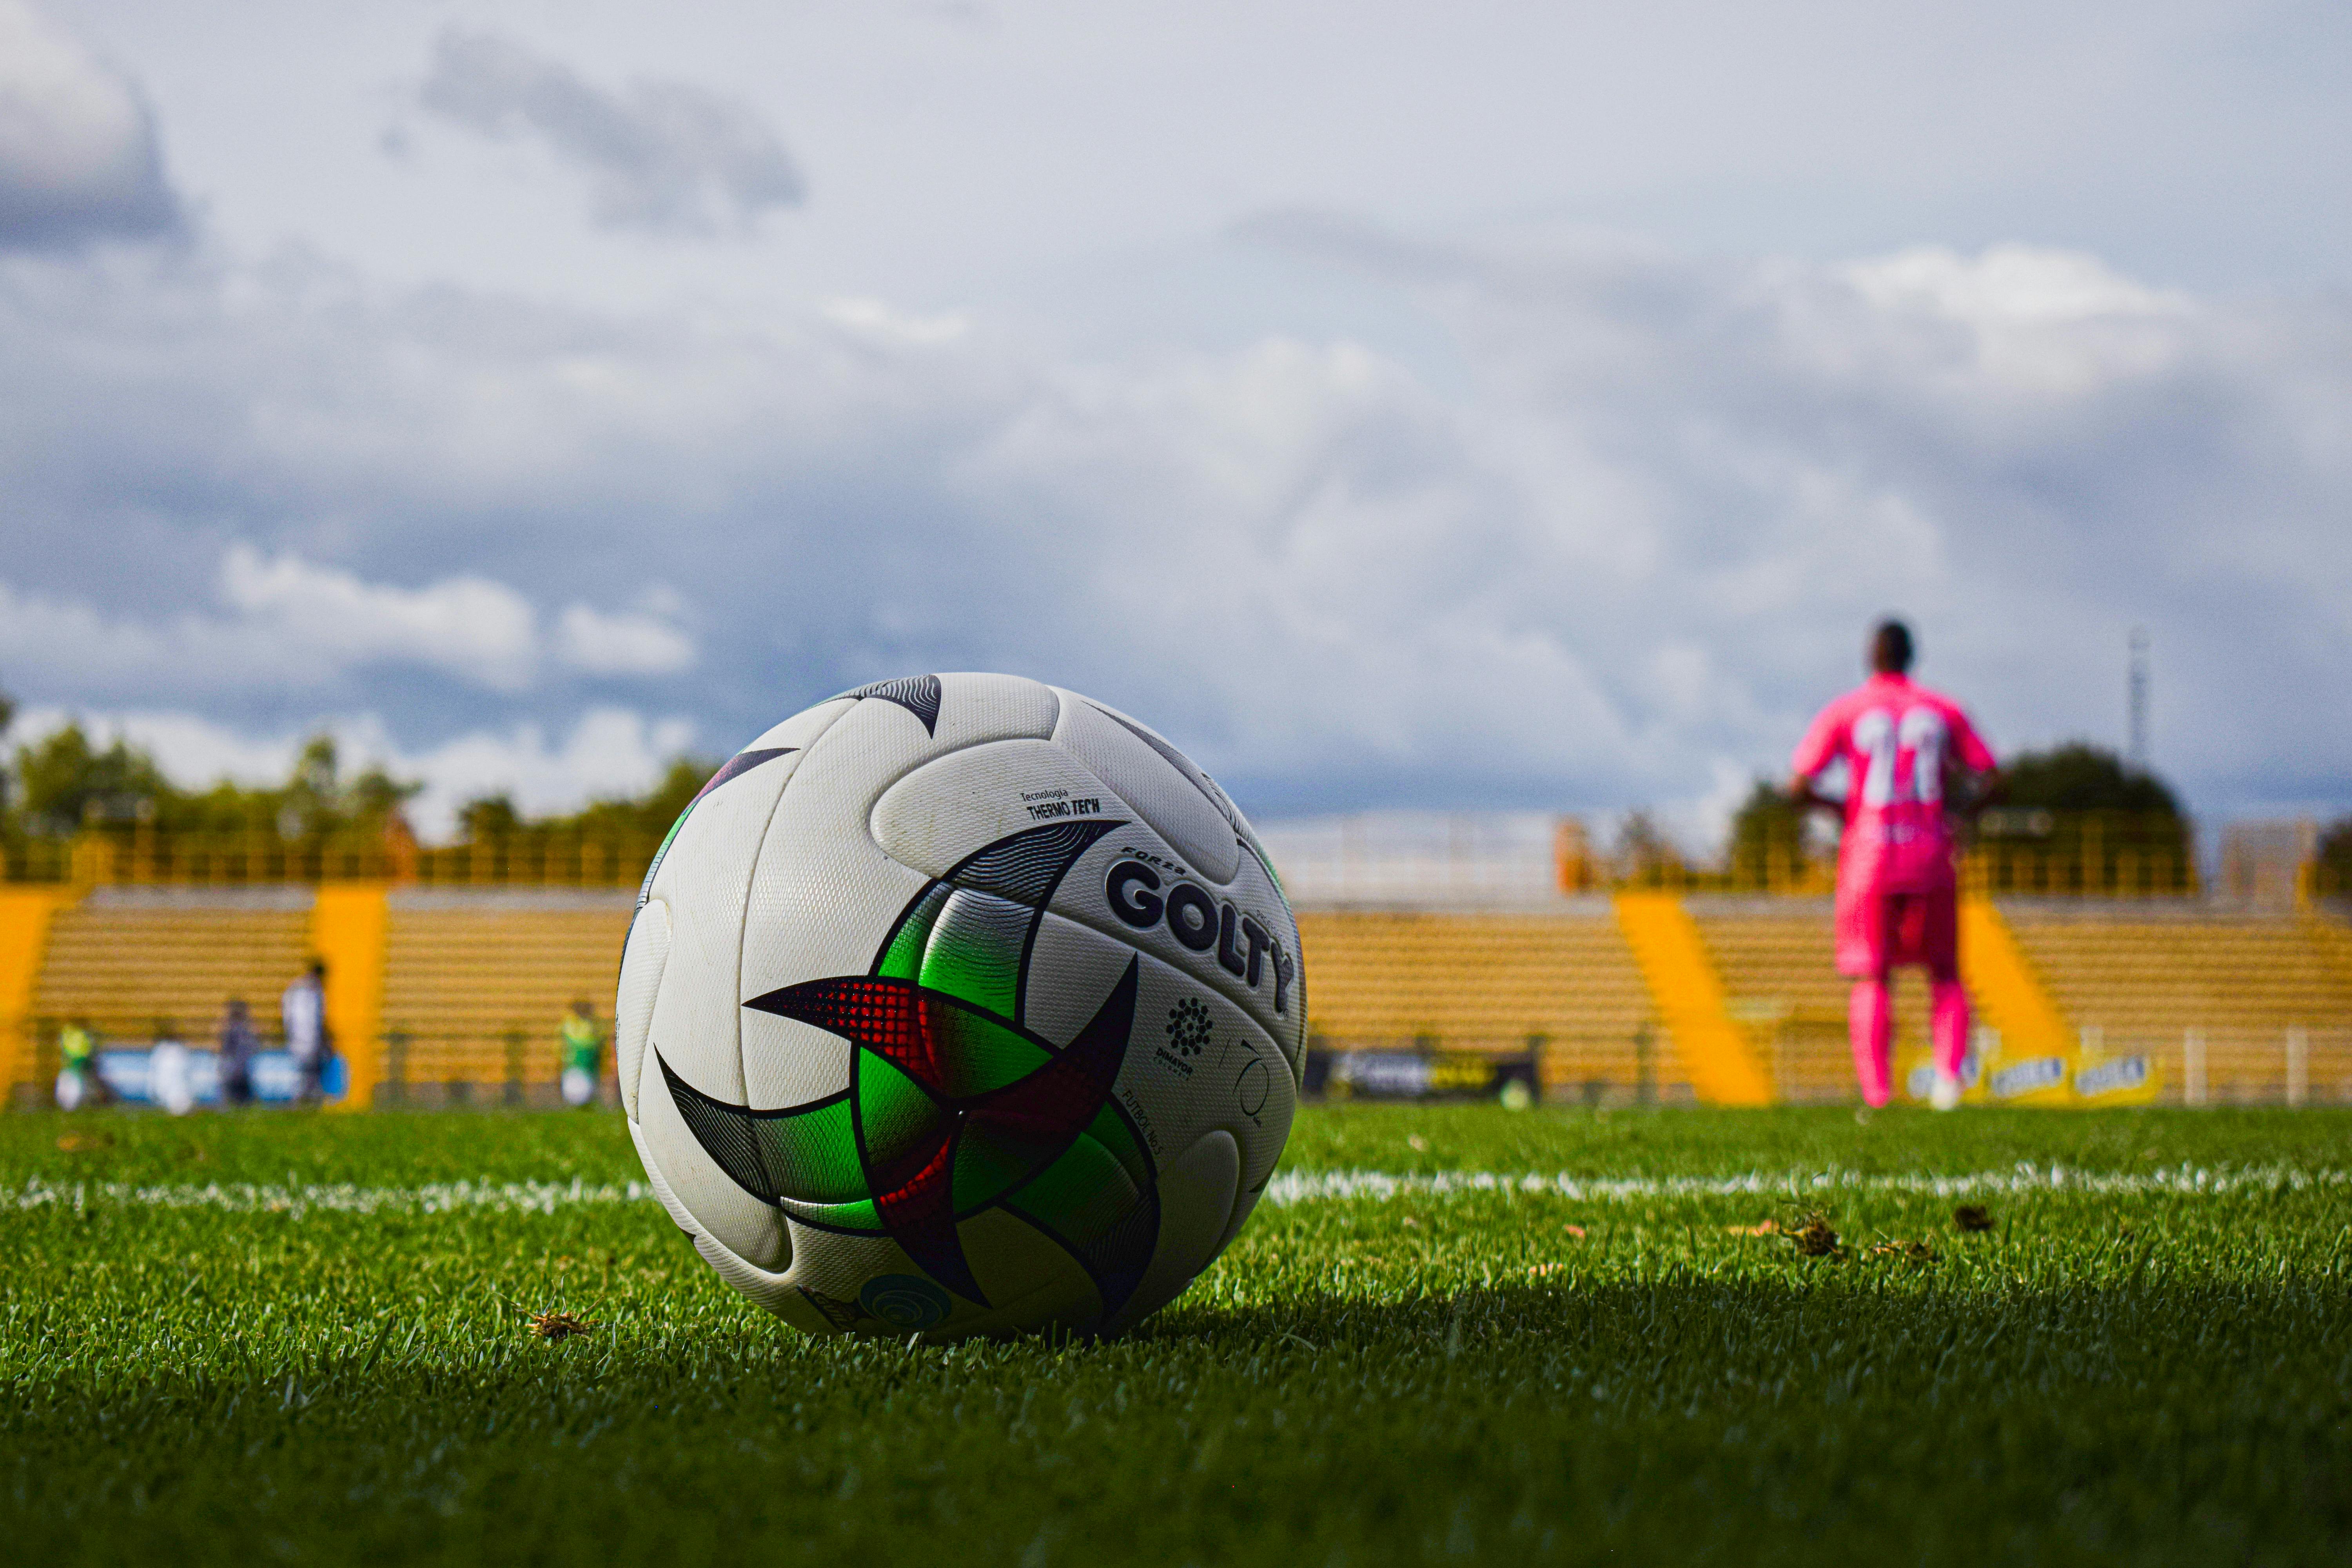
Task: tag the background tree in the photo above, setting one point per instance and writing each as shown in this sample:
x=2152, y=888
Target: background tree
x=618, y=818
x=2079, y=777
x=2096, y=820
x=652, y=811
x=316, y=800
x=488, y=817
x=65, y=781
x=1644, y=853
x=1768, y=834
x=2335, y=857
x=8, y=799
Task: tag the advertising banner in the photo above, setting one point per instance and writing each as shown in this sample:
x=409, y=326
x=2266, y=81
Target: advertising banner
x=1421, y=1075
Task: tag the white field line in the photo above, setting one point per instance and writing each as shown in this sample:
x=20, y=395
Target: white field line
x=2184, y=1181
x=1288, y=1188
x=244, y=1197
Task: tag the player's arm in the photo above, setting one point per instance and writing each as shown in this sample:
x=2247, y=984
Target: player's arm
x=1970, y=794
x=1972, y=781
x=1812, y=756
x=1805, y=798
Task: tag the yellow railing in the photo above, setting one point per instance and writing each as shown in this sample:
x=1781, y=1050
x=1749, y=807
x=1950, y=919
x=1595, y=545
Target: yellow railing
x=2087, y=854
x=37, y=861
x=141, y=856
x=550, y=860
x=2099, y=855
x=1792, y=876
x=2083, y=855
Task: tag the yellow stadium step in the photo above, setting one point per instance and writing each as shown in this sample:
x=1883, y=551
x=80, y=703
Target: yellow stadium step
x=23, y=935
x=348, y=925
x=1715, y=1050
x=2015, y=1001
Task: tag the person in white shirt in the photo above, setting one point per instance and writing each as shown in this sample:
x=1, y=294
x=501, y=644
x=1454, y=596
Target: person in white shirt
x=304, y=1012
x=168, y=1081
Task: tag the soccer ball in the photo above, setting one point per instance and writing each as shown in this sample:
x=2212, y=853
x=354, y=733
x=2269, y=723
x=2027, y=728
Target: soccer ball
x=960, y=1005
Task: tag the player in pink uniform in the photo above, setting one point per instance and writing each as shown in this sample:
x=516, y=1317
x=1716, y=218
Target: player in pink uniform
x=1904, y=747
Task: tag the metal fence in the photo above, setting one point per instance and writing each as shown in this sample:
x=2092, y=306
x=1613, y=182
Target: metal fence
x=141, y=856
x=1488, y=860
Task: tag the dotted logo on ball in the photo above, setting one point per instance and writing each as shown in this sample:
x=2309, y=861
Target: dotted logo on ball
x=1187, y=1026
x=954, y=1105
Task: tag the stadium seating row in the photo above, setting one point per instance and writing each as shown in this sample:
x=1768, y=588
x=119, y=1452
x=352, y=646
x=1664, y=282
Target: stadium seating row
x=474, y=984
x=1565, y=987
x=2265, y=1002
x=132, y=968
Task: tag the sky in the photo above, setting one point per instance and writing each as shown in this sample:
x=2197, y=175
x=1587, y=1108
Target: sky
x=1483, y=407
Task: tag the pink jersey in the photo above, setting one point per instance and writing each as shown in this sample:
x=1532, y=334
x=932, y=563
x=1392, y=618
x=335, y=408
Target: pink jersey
x=1895, y=738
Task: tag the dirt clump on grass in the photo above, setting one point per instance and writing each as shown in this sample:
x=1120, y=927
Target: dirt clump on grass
x=1915, y=1251
x=83, y=1142
x=1814, y=1238
x=559, y=1325
x=1972, y=1216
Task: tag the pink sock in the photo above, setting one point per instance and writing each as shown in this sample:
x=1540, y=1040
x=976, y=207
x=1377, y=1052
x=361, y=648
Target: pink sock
x=1951, y=1025
x=1870, y=1017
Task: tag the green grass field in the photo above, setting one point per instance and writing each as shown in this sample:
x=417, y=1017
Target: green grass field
x=301, y=1338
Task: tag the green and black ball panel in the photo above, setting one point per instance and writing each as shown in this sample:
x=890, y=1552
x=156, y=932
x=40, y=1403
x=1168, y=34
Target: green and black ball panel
x=952, y=1105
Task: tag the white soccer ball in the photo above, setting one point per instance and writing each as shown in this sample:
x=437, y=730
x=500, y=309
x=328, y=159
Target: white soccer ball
x=960, y=1005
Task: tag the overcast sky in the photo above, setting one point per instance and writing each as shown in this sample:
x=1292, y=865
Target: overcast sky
x=1476, y=407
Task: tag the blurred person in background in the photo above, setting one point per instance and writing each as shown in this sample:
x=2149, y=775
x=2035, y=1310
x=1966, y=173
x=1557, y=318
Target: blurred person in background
x=237, y=1042
x=168, y=1081
x=77, y=1080
x=584, y=1055
x=1910, y=754
x=303, y=1010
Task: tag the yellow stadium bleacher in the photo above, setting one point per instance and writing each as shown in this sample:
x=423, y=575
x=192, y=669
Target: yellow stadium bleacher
x=475, y=985
x=132, y=962
x=1492, y=983
x=2265, y=1000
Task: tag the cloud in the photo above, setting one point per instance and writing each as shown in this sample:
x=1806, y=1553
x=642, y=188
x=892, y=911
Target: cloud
x=664, y=156
x=78, y=157
x=1620, y=568
x=631, y=644
x=290, y=626
x=604, y=752
x=473, y=627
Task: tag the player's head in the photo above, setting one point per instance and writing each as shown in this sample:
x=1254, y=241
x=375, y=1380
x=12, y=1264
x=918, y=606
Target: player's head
x=1890, y=647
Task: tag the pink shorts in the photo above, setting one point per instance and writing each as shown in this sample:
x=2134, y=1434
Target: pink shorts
x=1878, y=931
